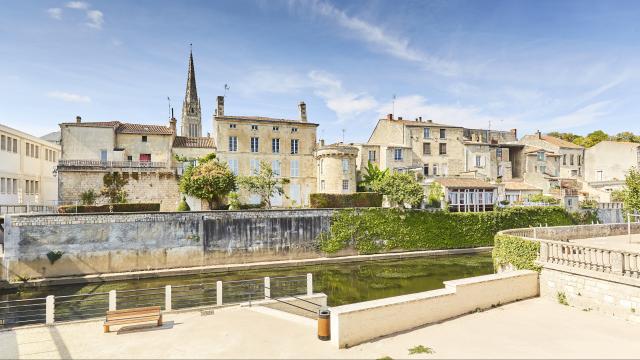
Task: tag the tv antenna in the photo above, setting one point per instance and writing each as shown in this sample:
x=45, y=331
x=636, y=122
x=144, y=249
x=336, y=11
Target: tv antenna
x=170, y=109
x=226, y=88
x=343, y=130
x=393, y=105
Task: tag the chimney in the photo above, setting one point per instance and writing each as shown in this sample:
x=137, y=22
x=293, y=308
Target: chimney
x=514, y=132
x=321, y=142
x=389, y=116
x=430, y=121
x=172, y=123
x=399, y=117
x=220, y=109
x=78, y=119
x=539, y=134
x=303, y=111
x=420, y=118
x=208, y=134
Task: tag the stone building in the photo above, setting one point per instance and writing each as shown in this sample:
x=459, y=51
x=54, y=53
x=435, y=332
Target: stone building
x=571, y=155
x=606, y=165
x=336, y=168
x=287, y=144
x=27, y=166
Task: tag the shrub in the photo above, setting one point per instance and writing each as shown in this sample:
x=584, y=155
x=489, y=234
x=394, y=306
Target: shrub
x=540, y=198
x=361, y=199
x=88, y=197
x=130, y=207
x=234, y=201
x=378, y=230
x=54, y=256
x=183, y=206
x=515, y=251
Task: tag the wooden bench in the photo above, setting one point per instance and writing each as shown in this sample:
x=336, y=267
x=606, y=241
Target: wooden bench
x=133, y=316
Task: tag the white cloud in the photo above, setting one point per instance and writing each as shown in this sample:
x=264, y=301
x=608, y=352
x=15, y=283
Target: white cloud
x=344, y=103
x=55, y=13
x=413, y=106
x=69, y=97
x=584, y=116
x=80, y=5
x=381, y=40
x=96, y=19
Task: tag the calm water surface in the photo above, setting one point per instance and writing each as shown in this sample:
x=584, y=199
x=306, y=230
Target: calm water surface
x=343, y=283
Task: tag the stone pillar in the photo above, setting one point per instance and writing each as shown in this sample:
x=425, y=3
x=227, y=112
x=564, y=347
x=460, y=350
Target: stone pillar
x=544, y=251
x=219, y=293
x=309, y=284
x=112, y=300
x=167, y=298
x=50, y=310
x=617, y=262
x=267, y=288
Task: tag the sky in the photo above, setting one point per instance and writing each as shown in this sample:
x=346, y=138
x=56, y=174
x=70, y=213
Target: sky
x=531, y=65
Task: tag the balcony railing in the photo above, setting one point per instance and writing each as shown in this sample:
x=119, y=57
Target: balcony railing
x=112, y=164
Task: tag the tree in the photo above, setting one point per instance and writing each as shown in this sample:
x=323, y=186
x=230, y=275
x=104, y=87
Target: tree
x=400, y=189
x=592, y=139
x=265, y=183
x=373, y=174
x=113, y=188
x=632, y=191
x=88, y=197
x=570, y=137
x=210, y=180
x=617, y=196
x=436, y=194
x=183, y=206
x=626, y=136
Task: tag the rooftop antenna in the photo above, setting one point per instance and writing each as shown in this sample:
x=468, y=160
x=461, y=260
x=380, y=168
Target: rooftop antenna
x=343, y=130
x=170, y=108
x=393, y=105
x=226, y=88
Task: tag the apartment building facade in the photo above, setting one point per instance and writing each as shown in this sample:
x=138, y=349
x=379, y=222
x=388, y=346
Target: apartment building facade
x=288, y=145
x=27, y=165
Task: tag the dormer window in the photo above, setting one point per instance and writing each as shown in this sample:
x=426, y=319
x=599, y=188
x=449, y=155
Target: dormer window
x=254, y=127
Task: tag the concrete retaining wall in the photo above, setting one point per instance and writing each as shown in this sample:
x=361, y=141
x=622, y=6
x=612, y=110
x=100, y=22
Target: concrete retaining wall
x=108, y=243
x=361, y=322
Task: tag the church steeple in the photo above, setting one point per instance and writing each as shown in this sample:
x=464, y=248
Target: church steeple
x=191, y=114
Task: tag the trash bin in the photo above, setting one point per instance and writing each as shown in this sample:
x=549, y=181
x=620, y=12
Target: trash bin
x=324, y=324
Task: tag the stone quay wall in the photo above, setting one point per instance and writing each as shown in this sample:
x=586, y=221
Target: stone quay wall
x=119, y=242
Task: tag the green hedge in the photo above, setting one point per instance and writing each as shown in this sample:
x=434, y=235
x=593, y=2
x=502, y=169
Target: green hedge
x=355, y=200
x=380, y=230
x=133, y=207
x=516, y=251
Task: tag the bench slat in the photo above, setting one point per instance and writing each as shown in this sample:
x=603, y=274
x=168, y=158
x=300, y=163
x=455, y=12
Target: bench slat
x=124, y=311
x=136, y=320
x=133, y=313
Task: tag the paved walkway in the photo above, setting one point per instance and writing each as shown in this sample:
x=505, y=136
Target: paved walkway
x=619, y=242
x=536, y=328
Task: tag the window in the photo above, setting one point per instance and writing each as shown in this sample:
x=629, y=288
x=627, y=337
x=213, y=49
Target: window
x=254, y=165
x=254, y=127
x=321, y=166
x=36, y=189
x=233, y=166
x=46, y=154
x=37, y=152
x=26, y=149
x=426, y=133
x=443, y=149
x=15, y=186
x=232, y=126
x=103, y=155
x=275, y=146
x=255, y=142
x=15, y=146
x=345, y=185
x=145, y=157
x=397, y=154
x=294, y=146
x=3, y=142
x=144, y=138
x=295, y=129
x=425, y=169
x=322, y=185
x=9, y=186
x=478, y=161
x=27, y=188
x=443, y=133
x=130, y=158
x=444, y=169
x=579, y=160
x=295, y=168
x=499, y=154
x=55, y=154
x=372, y=155
x=564, y=159
x=345, y=166
x=540, y=155
x=233, y=143
x=426, y=149
x=543, y=169
x=276, y=128
x=275, y=167
x=435, y=169
x=3, y=185
x=599, y=175
x=571, y=159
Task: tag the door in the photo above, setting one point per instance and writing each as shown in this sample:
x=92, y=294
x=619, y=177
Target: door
x=294, y=194
x=103, y=155
x=145, y=157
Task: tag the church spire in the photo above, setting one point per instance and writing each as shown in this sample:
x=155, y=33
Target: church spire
x=191, y=114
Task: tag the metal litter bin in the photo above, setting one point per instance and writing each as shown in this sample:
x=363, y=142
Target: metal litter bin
x=324, y=324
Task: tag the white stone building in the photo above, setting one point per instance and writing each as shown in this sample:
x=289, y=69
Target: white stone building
x=27, y=165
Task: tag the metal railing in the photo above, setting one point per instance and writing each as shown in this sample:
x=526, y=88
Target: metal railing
x=51, y=309
x=112, y=164
x=26, y=208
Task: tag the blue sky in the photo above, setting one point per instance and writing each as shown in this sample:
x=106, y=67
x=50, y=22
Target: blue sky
x=548, y=65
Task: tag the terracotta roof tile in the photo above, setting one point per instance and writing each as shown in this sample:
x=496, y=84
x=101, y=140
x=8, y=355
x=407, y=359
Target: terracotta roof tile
x=144, y=129
x=559, y=142
x=463, y=183
x=194, y=142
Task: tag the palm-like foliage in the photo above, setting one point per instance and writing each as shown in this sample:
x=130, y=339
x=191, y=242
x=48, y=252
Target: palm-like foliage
x=373, y=174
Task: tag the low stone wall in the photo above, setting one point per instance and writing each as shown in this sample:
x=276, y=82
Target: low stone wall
x=563, y=233
x=588, y=291
x=111, y=243
x=361, y=322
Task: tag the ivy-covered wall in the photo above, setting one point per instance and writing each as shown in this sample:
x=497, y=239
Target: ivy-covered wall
x=380, y=230
x=515, y=251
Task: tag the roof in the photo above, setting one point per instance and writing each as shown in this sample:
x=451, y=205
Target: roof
x=616, y=143
x=528, y=149
x=193, y=142
x=52, y=137
x=465, y=183
x=424, y=123
x=559, y=142
x=264, y=119
x=518, y=185
x=125, y=128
